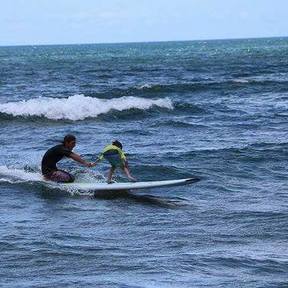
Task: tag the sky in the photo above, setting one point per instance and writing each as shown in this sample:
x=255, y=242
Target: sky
x=32, y=22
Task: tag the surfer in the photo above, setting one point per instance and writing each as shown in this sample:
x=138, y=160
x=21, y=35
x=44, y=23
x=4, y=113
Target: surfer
x=115, y=156
x=55, y=154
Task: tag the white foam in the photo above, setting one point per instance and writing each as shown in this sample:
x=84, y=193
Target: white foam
x=16, y=176
x=78, y=107
x=240, y=80
x=13, y=175
x=145, y=86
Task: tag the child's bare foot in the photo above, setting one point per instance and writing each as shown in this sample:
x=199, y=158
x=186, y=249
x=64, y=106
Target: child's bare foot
x=132, y=179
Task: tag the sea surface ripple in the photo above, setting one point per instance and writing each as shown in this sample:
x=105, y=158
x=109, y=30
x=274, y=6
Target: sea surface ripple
x=216, y=110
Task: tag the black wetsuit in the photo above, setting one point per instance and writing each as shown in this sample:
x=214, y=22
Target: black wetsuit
x=52, y=156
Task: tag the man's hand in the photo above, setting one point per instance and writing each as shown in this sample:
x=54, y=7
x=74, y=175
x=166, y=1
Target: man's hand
x=90, y=164
x=77, y=158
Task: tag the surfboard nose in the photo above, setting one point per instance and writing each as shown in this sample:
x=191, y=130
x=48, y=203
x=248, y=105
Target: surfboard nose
x=192, y=180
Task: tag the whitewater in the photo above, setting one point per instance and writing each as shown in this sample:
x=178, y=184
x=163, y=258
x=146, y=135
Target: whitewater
x=78, y=107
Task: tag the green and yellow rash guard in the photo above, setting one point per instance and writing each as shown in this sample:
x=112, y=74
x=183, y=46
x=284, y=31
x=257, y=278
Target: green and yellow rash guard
x=114, y=155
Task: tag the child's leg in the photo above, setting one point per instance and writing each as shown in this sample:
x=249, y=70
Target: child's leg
x=110, y=174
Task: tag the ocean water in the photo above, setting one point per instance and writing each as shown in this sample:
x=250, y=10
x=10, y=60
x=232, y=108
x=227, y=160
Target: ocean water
x=216, y=110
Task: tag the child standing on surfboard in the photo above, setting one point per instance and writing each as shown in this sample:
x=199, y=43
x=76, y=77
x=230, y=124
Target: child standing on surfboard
x=115, y=156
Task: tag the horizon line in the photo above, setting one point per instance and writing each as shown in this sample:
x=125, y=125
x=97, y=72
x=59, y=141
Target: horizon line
x=141, y=42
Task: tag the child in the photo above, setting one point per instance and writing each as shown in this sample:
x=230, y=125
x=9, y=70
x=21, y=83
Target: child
x=115, y=156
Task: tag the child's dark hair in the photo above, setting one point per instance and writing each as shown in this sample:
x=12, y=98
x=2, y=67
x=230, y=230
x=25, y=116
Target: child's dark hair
x=117, y=144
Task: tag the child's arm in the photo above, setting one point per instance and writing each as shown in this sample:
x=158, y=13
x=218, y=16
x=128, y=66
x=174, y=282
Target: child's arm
x=100, y=157
x=96, y=162
x=127, y=171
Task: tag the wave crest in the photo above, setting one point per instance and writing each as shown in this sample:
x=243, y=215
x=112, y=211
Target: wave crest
x=78, y=107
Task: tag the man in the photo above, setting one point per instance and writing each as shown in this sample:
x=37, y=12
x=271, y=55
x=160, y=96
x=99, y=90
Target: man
x=55, y=154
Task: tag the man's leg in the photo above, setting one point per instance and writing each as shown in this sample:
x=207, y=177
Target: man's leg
x=61, y=176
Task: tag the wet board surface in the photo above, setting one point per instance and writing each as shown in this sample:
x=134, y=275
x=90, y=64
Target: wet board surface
x=128, y=185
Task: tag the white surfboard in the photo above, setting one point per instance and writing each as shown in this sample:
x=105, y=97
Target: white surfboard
x=13, y=175
x=128, y=186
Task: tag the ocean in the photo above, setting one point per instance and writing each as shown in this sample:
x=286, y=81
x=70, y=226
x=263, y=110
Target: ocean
x=216, y=110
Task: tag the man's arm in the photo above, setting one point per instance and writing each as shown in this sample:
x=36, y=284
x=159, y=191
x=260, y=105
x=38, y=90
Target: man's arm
x=77, y=158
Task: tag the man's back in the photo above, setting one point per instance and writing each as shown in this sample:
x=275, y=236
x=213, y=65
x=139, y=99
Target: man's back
x=52, y=156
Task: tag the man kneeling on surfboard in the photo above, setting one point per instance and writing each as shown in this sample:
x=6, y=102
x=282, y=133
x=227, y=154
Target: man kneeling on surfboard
x=115, y=156
x=55, y=154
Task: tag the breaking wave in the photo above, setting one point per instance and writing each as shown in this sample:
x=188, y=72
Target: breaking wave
x=78, y=107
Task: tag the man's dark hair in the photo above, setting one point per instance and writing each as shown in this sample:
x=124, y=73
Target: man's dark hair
x=117, y=144
x=68, y=138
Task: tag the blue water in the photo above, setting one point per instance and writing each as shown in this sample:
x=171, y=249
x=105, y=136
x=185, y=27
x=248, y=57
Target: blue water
x=211, y=109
